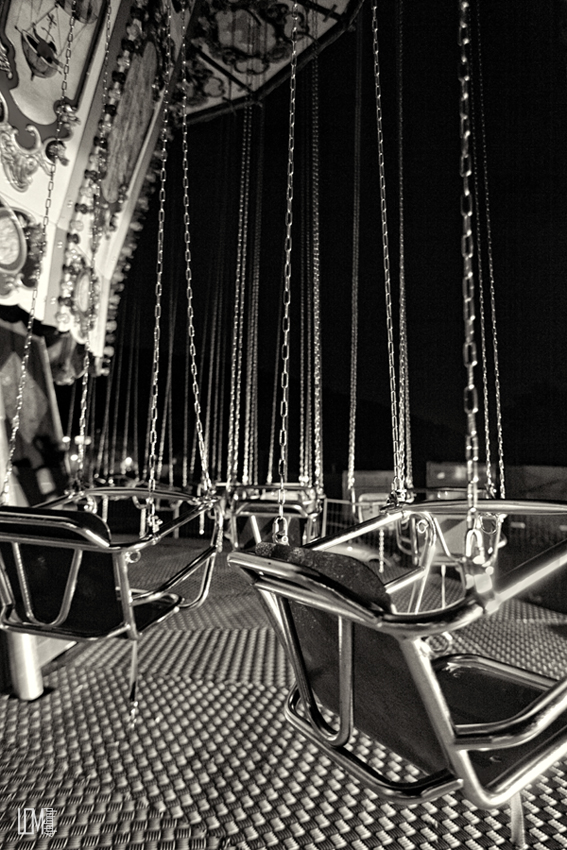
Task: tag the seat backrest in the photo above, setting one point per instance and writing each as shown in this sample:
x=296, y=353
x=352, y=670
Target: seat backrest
x=63, y=526
x=46, y=553
x=387, y=704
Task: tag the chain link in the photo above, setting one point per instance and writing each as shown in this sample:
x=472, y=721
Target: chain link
x=153, y=521
x=280, y=524
x=16, y=419
x=467, y=252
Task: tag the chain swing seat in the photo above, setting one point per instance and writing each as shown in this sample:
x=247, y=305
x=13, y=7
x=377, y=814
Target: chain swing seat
x=62, y=576
x=253, y=510
x=127, y=509
x=464, y=721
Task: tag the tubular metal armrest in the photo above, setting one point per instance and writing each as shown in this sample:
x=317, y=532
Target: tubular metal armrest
x=269, y=509
x=61, y=528
x=167, y=528
x=200, y=505
x=393, y=514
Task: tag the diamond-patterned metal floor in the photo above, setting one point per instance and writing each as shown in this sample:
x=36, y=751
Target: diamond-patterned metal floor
x=211, y=763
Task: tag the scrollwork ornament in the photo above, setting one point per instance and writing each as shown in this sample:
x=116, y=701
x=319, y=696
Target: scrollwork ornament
x=9, y=282
x=4, y=62
x=20, y=164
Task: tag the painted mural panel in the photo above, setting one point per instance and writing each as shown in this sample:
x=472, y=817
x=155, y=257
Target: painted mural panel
x=36, y=39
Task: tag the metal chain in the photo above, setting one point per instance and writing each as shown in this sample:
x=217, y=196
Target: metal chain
x=203, y=454
x=96, y=228
x=256, y=298
x=240, y=280
x=467, y=252
x=114, y=437
x=405, y=423
x=305, y=270
x=274, y=413
x=306, y=312
x=251, y=420
x=166, y=411
x=482, y=323
x=305, y=364
x=308, y=350
x=250, y=453
x=306, y=325
x=216, y=337
x=201, y=367
x=397, y=484
x=220, y=417
x=135, y=347
x=496, y=364
x=317, y=356
x=153, y=521
x=129, y=385
x=213, y=378
x=16, y=419
x=185, y=466
x=280, y=523
x=355, y=261
x=102, y=462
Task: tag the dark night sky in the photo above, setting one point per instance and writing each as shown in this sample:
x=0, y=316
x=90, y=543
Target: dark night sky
x=525, y=95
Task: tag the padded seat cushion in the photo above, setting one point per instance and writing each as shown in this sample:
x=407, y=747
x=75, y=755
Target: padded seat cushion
x=342, y=571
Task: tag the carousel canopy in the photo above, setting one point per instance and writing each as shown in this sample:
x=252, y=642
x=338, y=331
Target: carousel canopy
x=82, y=89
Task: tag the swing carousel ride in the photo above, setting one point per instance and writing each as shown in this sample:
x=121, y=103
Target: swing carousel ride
x=162, y=379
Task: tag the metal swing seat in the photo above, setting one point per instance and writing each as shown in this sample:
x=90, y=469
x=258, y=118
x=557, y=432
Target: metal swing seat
x=126, y=508
x=62, y=576
x=252, y=510
x=464, y=721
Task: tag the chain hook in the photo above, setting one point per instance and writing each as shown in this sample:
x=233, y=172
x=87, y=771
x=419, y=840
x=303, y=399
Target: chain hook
x=280, y=530
x=474, y=545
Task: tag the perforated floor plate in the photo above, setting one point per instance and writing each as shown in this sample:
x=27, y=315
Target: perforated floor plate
x=211, y=761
